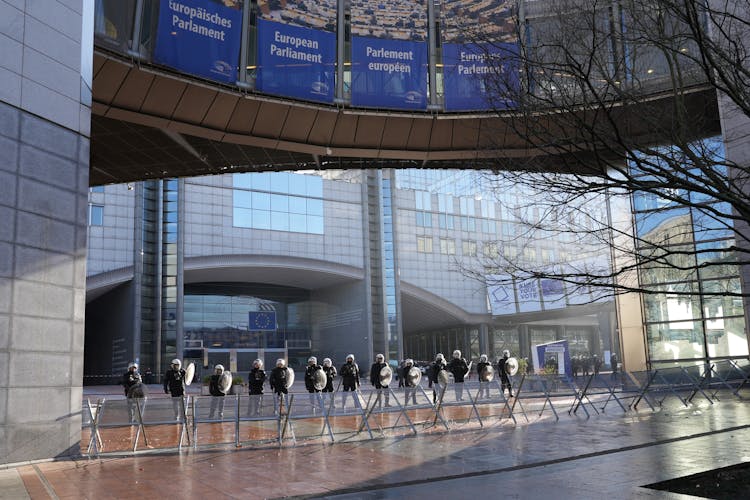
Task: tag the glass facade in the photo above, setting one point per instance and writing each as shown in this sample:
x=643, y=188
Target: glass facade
x=147, y=265
x=169, y=267
x=499, y=223
x=217, y=314
x=279, y=201
x=390, y=289
x=693, y=314
x=694, y=311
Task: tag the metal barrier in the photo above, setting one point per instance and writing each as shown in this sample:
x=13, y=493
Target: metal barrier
x=126, y=426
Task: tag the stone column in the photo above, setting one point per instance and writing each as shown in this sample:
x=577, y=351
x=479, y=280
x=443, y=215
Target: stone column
x=45, y=100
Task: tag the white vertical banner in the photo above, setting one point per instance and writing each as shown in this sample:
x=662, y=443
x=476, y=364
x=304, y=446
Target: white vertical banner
x=501, y=296
x=528, y=296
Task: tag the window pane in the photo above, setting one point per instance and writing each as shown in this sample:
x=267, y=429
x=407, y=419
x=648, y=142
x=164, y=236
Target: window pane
x=261, y=181
x=298, y=223
x=280, y=221
x=315, y=224
x=675, y=340
x=726, y=337
x=96, y=215
x=297, y=184
x=297, y=205
x=280, y=182
x=314, y=185
x=261, y=201
x=279, y=203
x=314, y=207
x=261, y=219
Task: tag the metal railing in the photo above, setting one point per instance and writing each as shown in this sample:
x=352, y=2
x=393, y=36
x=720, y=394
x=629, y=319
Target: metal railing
x=114, y=425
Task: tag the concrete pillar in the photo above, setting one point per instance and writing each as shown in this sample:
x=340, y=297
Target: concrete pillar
x=45, y=100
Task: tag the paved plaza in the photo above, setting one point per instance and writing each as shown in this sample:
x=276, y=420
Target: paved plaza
x=609, y=455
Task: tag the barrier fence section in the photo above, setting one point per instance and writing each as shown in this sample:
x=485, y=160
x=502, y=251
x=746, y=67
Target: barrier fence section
x=113, y=425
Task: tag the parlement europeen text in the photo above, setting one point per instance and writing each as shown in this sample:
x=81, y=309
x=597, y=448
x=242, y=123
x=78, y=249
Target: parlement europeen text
x=387, y=66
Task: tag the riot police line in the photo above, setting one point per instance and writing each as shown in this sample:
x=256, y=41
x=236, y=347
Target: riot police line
x=284, y=415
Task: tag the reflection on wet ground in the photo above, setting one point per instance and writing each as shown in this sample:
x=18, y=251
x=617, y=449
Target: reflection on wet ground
x=612, y=454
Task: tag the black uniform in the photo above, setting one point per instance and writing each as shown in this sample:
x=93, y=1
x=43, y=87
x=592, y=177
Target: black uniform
x=331, y=374
x=375, y=375
x=375, y=381
x=458, y=367
x=218, y=400
x=278, y=380
x=174, y=382
x=256, y=378
x=350, y=376
x=129, y=379
x=504, y=378
x=410, y=388
x=484, y=388
x=480, y=368
x=213, y=386
x=310, y=377
x=597, y=364
x=433, y=373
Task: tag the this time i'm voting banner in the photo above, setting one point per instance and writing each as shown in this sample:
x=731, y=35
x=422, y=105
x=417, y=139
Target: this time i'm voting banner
x=200, y=37
x=296, y=62
x=389, y=73
x=480, y=76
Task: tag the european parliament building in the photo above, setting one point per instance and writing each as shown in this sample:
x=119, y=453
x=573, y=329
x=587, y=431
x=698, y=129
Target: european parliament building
x=356, y=261
x=225, y=180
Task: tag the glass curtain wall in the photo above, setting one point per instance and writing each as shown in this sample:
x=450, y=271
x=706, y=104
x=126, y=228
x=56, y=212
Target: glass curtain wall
x=147, y=258
x=169, y=267
x=690, y=317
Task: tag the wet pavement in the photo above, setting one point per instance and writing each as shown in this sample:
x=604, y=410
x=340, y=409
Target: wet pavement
x=610, y=455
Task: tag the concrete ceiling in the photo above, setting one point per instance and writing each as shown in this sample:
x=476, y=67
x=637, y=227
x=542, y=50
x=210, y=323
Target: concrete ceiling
x=150, y=123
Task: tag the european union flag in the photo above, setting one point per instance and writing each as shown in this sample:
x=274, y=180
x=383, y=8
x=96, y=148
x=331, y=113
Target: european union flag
x=261, y=320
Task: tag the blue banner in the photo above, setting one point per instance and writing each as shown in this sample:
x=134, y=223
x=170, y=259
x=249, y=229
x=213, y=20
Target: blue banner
x=261, y=321
x=200, y=37
x=389, y=73
x=296, y=62
x=480, y=76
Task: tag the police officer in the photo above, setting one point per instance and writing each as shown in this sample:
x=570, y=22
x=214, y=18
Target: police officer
x=215, y=390
x=256, y=378
x=459, y=368
x=504, y=377
x=410, y=389
x=350, y=379
x=484, y=387
x=279, y=377
x=131, y=379
x=312, y=367
x=330, y=371
x=174, y=384
x=378, y=365
x=434, y=372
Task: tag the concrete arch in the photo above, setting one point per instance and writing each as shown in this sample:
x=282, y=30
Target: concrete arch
x=308, y=274
x=99, y=284
x=423, y=310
